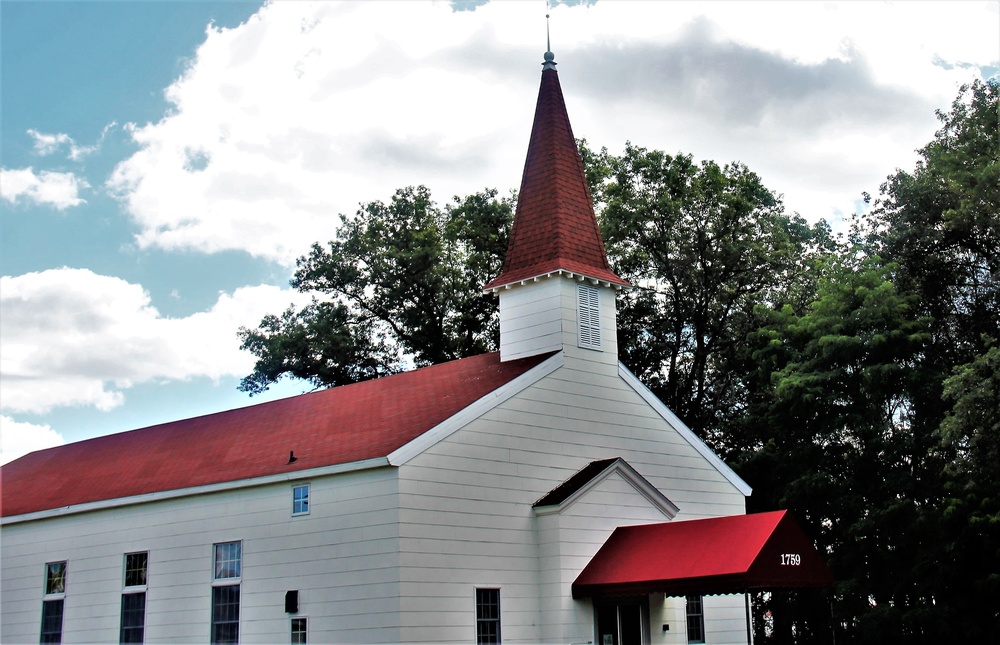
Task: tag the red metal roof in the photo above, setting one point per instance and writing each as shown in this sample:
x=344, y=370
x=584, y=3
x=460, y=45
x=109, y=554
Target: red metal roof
x=718, y=555
x=554, y=225
x=337, y=426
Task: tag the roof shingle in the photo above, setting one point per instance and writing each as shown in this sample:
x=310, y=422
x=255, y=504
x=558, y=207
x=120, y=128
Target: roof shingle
x=336, y=426
x=554, y=226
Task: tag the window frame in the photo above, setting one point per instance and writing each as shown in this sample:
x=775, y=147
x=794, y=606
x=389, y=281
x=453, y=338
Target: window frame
x=127, y=632
x=697, y=615
x=230, y=552
x=296, y=500
x=135, y=588
x=50, y=579
x=482, y=603
x=53, y=597
x=47, y=636
x=296, y=620
x=130, y=592
x=234, y=578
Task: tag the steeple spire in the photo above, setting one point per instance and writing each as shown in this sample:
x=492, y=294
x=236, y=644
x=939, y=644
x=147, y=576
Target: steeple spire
x=550, y=58
x=555, y=231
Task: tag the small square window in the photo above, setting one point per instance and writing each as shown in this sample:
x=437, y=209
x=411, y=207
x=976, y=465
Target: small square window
x=55, y=577
x=300, y=499
x=135, y=569
x=298, y=631
x=228, y=560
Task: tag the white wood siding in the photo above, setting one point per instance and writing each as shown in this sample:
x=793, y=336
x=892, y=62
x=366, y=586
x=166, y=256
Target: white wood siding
x=342, y=557
x=542, y=316
x=530, y=320
x=465, y=504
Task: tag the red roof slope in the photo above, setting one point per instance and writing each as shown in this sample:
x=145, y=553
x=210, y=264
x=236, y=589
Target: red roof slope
x=554, y=226
x=336, y=426
x=718, y=555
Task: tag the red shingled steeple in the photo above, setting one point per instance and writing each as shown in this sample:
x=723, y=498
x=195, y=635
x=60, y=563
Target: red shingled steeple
x=555, y=229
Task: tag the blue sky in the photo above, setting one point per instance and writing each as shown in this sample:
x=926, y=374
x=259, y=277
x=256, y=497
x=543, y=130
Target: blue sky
x=165, y=162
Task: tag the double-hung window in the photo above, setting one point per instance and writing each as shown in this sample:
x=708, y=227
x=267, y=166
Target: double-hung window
x=228, y=565
x=53, y=602
x=487, y=616
x=133, y=621
x=695, y=619
x=300, y=499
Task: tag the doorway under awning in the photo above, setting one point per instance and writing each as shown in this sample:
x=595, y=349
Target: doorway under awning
x=722, y=555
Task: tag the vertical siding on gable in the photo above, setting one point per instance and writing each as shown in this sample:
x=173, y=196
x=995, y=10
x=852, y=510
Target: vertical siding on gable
x=465, y=504
x=342, y=557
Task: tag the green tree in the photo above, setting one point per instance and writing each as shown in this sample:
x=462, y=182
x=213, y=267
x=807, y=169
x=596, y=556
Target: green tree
x=703, y=244
x=878, y=429
x=971, y=515
x=941, y=225
x=836, y=447
x=402, y=278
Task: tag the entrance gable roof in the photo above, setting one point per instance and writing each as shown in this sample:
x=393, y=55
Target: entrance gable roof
x=588, y=477
x=710, y=556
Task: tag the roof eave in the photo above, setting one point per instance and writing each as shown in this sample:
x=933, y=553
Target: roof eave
x=295, y=475
x=501, y=283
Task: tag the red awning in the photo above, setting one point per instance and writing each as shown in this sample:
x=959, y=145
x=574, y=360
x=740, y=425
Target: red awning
x=718, y=555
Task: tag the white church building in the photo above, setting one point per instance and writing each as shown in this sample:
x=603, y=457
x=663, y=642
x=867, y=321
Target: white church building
x=540, y=494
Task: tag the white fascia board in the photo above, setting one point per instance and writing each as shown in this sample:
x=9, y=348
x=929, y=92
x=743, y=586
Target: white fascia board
x=684, y=431
x=580, y=277
x=474, y=410
x=630, y=475
x=365, y=464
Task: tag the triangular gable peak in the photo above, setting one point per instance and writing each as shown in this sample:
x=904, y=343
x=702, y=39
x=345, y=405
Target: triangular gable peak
x=555, y=231
x=590, y=476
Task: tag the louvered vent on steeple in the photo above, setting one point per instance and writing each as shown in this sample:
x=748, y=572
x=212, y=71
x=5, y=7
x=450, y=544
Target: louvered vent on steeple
x=588, y=304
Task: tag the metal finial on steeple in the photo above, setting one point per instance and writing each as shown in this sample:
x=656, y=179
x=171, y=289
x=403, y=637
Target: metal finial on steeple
x=550, y=58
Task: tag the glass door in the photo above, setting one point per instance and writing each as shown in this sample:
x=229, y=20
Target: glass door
x=621, y=621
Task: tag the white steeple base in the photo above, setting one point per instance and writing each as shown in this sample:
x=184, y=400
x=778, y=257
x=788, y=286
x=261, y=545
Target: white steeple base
x=545, y=316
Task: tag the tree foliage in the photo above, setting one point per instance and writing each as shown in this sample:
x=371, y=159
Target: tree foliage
x=402, y=279
x=877, y=425
x=704, y=244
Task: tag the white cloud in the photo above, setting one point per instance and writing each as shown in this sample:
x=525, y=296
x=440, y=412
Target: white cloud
x=18, y=438
x=71, y=337
x=47, y=144
x=58, y=189
x=307, y=109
